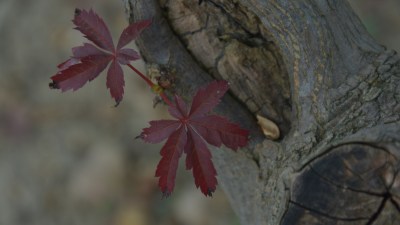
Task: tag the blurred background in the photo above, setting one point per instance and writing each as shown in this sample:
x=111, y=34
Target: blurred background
x=72, y=158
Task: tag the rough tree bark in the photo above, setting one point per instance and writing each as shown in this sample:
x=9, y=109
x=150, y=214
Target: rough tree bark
x=310, y=67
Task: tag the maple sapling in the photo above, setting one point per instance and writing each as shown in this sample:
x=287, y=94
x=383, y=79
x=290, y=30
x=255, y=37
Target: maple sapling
x=192, y=128
x=88, y=61
x=189, y=133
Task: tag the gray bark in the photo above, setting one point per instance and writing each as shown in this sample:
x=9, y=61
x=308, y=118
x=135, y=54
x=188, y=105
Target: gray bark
x=310, y=67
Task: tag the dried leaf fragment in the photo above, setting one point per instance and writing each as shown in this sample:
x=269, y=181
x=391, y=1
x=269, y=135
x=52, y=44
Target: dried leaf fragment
x=269, y=128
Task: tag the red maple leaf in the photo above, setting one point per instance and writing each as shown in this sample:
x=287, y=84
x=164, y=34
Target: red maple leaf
x=189, y=133
x=88, y=61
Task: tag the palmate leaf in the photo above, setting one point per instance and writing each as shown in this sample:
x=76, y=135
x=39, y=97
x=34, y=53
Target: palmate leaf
x=199, y=157
x=207, y=98
x=171, y=152
x=94, y=29
x=189, y=133
x=89, y=60
x=131, y=32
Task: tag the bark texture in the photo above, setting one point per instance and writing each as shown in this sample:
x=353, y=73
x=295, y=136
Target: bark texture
x=311, y=68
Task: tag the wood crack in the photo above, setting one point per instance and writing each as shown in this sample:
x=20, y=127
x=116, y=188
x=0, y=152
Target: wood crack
x=345, y=187
x=237, y=23
x=396, y=205
x=379, y=210
x=325, y=214
x=198, y=30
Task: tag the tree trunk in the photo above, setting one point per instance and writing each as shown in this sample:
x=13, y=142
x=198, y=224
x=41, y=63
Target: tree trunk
x=311, y=68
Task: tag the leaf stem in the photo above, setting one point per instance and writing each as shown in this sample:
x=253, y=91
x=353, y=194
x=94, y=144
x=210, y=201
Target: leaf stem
x=148, y=81
x=165, y=98
x=152, y=85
